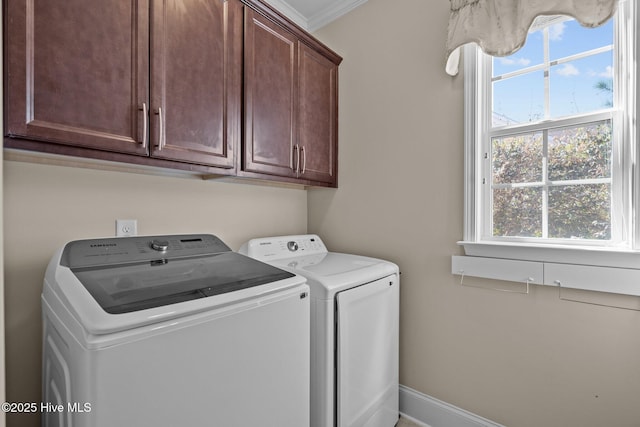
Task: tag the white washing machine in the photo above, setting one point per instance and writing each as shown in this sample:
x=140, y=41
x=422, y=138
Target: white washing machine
x=354, y=329
x=169, y=331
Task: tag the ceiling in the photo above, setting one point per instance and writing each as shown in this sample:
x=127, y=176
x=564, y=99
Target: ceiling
x=314, y=14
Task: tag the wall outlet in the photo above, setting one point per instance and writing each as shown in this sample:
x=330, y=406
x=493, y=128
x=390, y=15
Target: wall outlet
x=126, y=227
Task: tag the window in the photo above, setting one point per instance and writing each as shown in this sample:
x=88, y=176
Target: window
x=550, y=138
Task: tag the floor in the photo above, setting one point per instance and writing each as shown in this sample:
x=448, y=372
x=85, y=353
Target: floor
x=406, y=423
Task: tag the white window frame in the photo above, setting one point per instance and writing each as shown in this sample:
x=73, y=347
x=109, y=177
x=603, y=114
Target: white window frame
x=624, y=250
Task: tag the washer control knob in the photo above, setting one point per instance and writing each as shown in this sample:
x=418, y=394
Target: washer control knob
x=160, y=245
x=292, y=246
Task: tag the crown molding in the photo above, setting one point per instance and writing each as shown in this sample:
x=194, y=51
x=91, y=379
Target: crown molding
x=332, y=12
x=327, y=14
x=286, y=9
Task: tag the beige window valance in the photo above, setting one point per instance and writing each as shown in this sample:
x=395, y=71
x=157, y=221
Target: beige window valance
x=500, y=27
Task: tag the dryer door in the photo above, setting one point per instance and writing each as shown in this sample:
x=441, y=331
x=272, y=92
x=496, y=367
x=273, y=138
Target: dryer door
x=367, y=354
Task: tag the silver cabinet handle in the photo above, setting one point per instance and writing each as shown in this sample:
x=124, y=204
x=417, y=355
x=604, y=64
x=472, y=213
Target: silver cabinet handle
x=304, y=159
x=296, y=153
x=161, y=140
x=145, y=113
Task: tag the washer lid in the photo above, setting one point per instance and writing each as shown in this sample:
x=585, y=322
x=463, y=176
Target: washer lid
x=123, y=289
x=131, y=274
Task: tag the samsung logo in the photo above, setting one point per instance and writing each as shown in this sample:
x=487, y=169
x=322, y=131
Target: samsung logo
x=102, y=245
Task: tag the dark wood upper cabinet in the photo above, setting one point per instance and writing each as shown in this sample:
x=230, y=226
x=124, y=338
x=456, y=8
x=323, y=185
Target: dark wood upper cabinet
x=77, y=71
x=270, y=92
x=145, y=77
x=290, y=100
x=220, y=87
x=196, y=80
x=317, y=116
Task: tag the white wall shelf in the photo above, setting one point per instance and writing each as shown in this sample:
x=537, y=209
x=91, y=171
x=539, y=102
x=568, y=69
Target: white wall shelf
x=498, y=269
x=625, y=281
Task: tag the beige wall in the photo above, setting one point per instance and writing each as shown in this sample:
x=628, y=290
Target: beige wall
x=47, y=206
x=521, y=360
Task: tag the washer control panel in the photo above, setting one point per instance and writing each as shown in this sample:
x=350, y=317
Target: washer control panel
x=271, y=248
x=123, y=250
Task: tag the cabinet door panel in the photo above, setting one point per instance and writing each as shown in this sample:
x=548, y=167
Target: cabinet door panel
x=77, y=72
x=270, y=93
x=196, y=80
x=317, y=115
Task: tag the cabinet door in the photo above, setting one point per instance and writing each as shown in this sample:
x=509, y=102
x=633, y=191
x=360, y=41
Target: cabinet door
x=196, y=80
x=270, y=96
x=77, y=72
x=317, y=115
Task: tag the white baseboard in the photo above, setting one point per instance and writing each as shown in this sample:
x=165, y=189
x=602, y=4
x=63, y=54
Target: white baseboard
x=432, y=412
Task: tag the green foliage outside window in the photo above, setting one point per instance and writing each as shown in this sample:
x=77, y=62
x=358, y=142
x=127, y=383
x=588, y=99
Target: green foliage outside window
x=574, y=209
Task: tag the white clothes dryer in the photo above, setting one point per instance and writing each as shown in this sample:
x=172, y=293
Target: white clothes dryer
x=168, y=331
x=354, y=329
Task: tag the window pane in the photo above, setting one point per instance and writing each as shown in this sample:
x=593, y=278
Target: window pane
x=518, y=99
x=517, y=159
x=532, y=53
x=581, y=152
x=517, y=212
x=580, y=212
x=581, y=86
x=569, y=38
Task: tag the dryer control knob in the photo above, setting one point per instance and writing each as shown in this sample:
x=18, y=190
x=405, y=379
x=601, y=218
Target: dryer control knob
x=160, y=245
x=292, y=246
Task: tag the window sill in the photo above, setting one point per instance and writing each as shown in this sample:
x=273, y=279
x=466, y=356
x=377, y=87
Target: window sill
x=595, y=269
